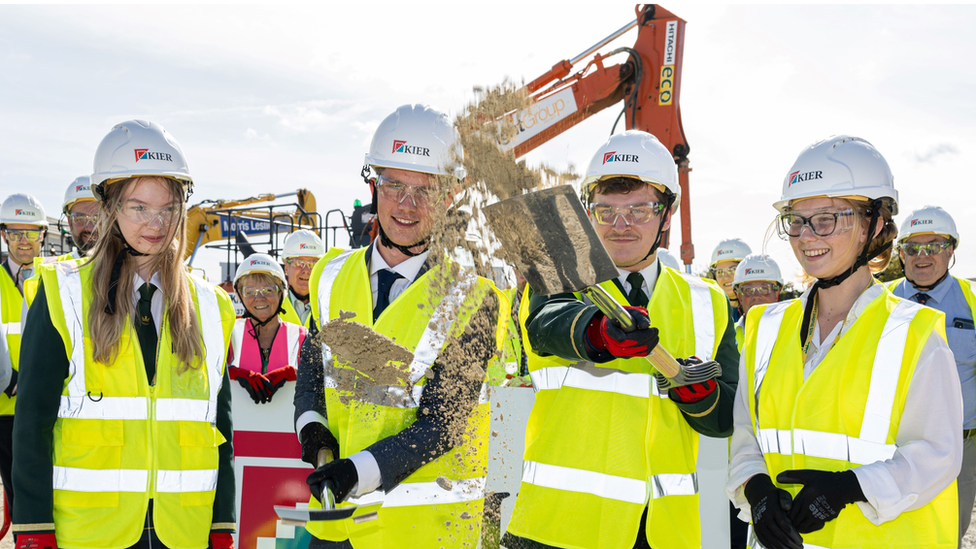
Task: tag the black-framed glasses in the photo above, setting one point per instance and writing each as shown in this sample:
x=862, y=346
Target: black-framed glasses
x=930, y=248
x=24, y=235
x=397, y=191
x=823, y=223
x=635, y=214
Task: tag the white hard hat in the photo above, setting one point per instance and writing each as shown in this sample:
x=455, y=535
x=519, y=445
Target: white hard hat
x=22, y=208
x=929, y=220
x=419, y=139
x=637, y=155
x=138, y=148
x=668, y=259
x=303, y=242
x=757, y=267
x=79, y=190
x=260, y=263
x=734, y=249
x=839, y=167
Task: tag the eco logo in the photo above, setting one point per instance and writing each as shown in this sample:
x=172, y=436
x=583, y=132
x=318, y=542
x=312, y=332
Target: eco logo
x=402, y=147
x=146, y=154
x=921, y=222
x=612, y=156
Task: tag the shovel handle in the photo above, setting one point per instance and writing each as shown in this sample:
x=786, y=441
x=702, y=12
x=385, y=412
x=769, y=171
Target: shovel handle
x=328, y=499
x=659, y=357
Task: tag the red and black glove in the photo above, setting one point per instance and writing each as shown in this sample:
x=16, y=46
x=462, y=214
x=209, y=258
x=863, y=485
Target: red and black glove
x=257, y=385
x=281, y=375
x=221, y=540
x=605, y=335
x=696, y=392
x=36, y=541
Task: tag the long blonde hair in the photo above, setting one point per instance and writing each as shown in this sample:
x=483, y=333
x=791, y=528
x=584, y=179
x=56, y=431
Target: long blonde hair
x=181, y=319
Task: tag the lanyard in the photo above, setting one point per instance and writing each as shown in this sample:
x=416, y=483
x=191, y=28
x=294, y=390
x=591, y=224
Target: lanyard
x=813, y=320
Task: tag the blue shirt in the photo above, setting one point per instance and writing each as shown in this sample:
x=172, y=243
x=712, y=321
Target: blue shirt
x=947, y=297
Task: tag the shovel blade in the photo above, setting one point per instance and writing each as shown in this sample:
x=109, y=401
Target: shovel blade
x=298, y=517
x=548, y=236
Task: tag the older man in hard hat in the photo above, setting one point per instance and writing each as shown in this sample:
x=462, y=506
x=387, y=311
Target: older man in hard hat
x=757, y=281
x=23, y=225
x=610, y=452
x=927, y=243
x=302, y=250
x=393, y=444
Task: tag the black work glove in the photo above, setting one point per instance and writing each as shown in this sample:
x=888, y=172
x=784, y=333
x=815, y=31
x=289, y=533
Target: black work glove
x=339, y=476
x=314, y=437
x=11, y=389
x=823, y=496
x=770, y=521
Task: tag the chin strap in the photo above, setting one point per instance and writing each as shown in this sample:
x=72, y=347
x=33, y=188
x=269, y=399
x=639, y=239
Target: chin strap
x=862, y=260
x=931, y=286
x=404, y=249
x=113, y=282
x=259, y=323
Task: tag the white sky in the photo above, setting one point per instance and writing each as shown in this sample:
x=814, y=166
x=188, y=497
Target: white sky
x=272, y=99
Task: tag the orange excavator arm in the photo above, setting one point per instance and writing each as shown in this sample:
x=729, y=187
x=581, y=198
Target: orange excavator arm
x=648, y=82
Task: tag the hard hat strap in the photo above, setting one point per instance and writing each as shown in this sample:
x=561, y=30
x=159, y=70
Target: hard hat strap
x=372, y=187
x=931, y=286
x=113, y=282
x=404, y=249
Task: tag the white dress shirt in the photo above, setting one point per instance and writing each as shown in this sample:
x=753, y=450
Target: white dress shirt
x=650, y=278
x=929, y=438
x=157, y=297
x=301, y=308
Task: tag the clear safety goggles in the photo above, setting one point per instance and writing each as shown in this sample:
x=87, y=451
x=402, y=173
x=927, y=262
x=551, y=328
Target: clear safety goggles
x=823, y=223
x=252, y=292
x=728, y=271
x=757, y=290
x=144, y=215
x=81, y=220
x=931, y=248
x=396, y=191
x=24, y=235
x=635, y=214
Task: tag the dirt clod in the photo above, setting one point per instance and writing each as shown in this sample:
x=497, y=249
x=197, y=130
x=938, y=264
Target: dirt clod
x=445, y=483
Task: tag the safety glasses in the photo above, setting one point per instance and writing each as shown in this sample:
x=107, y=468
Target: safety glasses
x=932, y=248
x=81, y=220
x=635, y=214
x=251, y=292
x=300, y=263
x=758, y=290
x=824, y=223
x=141, y=214
x=728, y=271
x=24, y=235
x=391, y=189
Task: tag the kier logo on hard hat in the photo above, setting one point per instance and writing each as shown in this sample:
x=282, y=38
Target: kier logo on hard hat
x=146, y=154
x=302, y=246
x=797, y=177
x=755, y=271
x=921, y=222
x=79, y=188
x=724, y=252
x=402, y=147
x=28, y=213
x=612, y=156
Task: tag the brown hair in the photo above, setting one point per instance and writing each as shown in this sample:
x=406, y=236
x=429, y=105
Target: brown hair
x=106, y=330
x=620, y=185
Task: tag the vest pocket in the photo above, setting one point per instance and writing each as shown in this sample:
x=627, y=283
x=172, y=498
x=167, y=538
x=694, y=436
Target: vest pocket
x=198, y=450
x=90, y=444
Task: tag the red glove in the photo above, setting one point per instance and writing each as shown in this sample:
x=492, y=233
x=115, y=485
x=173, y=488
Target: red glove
x=256, y=385
x=605, y=335
x=696, y=392
x=36, y=541
x=281, y=375
x=221, y=540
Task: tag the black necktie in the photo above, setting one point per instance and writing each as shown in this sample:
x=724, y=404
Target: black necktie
x=636, y=296
x=385, y=280
x=922, y=298
x=146, y=329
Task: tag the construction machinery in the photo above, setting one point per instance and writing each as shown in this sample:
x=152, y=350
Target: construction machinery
x=648, y=82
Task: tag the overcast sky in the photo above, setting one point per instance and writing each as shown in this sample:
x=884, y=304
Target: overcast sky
x=272, y=99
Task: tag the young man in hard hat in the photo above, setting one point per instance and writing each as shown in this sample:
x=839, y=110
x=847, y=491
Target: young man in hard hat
x=610, y=451
x=725, y=258
x=23, y=225
x=302, y=250
x=393, y=444
x=926, y=243
x=757, y=282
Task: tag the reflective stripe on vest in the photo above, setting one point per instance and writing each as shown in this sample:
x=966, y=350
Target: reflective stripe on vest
x=609, y=486
x=425, y=493
x=586, y=375
x=399, y=394
x=702, y=317
x=433, y=337
x=11, y=328
x=871, y=445
x=77, y=403
x=133, y=480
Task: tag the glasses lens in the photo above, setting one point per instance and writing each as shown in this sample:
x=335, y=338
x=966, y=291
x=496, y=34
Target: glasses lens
x=26, y=235
x=83, y=219
x=637, y=214
x=298, y=264
x=144, y=215
x=396, y=191
x=259, y=292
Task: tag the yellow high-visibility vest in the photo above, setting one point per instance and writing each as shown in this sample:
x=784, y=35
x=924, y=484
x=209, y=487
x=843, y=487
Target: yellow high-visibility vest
x=32, y=283
x=290, y=314
x=119, y=441
x=11, y=305
x=846, y=413
x=964, y=284
x=418, y=513
x=602, y=443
